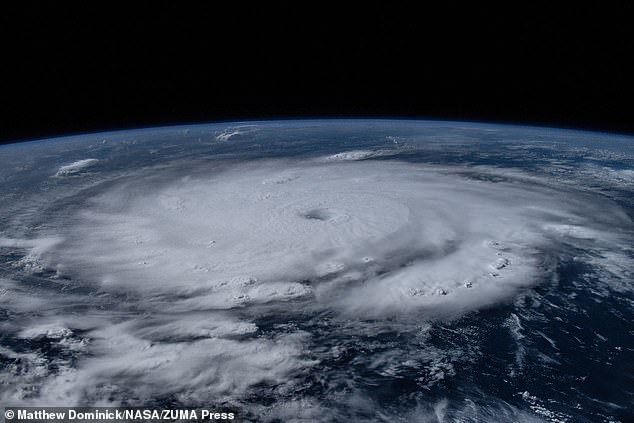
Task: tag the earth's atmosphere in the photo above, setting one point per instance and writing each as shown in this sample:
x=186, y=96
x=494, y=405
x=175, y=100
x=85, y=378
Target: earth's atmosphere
x=335, y=270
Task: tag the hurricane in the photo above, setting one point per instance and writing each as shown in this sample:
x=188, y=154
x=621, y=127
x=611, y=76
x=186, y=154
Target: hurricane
x=321, y=271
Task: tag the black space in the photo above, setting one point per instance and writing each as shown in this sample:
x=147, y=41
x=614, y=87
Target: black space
x=90, y=66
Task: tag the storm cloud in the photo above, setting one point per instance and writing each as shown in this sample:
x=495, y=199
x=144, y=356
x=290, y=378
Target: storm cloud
x=176, y=268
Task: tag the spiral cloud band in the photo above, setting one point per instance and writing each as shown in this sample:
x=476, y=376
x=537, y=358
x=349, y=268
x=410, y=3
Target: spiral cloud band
x=182, y=270
x=370, y=238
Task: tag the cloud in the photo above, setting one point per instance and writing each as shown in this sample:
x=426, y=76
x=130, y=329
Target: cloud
x=235, y=239
x=233, y=131
x=75, y=167
x=194, y=287
x=194, y=370
x=359, y=155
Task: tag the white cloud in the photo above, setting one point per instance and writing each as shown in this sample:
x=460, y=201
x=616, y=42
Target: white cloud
x=176, y=276
x=233, y=131
x=355, y=155
x=75, y=167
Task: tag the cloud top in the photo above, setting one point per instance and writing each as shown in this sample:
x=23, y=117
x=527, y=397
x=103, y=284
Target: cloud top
x=198, y=283
x=75, y=167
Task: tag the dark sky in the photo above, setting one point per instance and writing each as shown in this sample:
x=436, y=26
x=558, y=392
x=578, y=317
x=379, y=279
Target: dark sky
x=87, y=68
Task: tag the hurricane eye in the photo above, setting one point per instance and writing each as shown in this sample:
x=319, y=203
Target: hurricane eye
x=318, y=214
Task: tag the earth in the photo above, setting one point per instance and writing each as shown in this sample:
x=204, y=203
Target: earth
x=322, y=270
